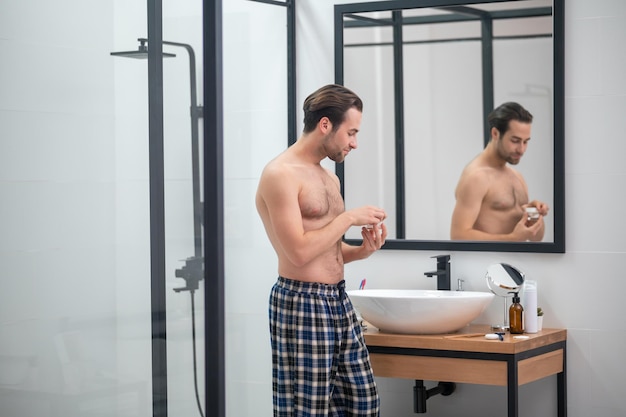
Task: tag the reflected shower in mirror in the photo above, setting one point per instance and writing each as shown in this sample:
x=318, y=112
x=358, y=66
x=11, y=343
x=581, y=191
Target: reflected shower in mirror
x=429, y=76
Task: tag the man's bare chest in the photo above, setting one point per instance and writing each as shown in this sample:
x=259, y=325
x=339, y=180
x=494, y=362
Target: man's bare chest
x=506, y=193
x=320, y=198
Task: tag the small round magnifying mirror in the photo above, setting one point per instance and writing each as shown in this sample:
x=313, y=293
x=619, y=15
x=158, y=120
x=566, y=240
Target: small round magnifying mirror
x=504, y=280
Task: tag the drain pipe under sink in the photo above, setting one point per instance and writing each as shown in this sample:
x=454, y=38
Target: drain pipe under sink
x=421, y=394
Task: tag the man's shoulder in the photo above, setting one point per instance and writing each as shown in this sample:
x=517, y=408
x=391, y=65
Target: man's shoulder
x=283, y=173
x=475, y=180
x=280, y=165
x=477, y=170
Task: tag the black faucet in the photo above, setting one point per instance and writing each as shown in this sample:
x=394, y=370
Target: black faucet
x=442, y=273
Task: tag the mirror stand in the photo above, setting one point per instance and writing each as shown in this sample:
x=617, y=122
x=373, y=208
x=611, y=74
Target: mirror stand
x=504, y=280
x=504, y=327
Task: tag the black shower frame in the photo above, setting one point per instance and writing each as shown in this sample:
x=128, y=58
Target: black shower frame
x=157, y=209
x=213, y=211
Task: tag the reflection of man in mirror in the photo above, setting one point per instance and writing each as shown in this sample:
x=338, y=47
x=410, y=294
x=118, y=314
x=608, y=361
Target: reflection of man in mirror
x=320, y=362
x=491, y=196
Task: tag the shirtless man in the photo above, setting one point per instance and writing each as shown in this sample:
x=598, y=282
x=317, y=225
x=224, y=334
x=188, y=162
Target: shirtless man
x=491, y=196
x=320, y=362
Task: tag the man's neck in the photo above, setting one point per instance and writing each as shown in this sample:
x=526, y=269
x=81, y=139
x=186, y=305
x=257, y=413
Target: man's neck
x=492, y=158
x=308, y=149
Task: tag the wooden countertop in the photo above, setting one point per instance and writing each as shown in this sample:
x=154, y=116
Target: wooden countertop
x=469, y=339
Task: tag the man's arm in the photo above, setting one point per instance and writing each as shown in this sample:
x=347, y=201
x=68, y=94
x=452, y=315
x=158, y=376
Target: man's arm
x=470, y=192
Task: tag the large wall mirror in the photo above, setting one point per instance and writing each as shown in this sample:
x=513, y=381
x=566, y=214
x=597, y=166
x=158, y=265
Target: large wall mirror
x=429, y=73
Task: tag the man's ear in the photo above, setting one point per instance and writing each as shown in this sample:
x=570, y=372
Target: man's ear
x=495, y=134
x=325, y=125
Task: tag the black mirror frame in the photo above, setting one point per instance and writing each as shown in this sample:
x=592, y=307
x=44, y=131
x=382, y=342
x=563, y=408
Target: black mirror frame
x=558, y=209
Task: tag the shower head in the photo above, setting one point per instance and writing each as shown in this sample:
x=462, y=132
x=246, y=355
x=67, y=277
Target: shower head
x=141, y=52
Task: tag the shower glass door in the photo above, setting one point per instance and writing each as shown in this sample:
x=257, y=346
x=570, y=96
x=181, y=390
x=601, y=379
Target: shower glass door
x=182, y=134
x=76, y=305
x=255, y=131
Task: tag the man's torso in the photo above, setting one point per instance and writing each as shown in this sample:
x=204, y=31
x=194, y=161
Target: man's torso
x=320, y=202
x=501, y=207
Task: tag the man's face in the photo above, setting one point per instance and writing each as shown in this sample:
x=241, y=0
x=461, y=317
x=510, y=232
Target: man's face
x=512, y=145
x=340, y=142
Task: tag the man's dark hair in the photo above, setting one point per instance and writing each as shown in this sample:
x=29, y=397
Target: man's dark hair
x=332, y=101
x=503, y=114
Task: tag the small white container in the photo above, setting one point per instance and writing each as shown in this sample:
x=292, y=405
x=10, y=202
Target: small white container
x=532, y=213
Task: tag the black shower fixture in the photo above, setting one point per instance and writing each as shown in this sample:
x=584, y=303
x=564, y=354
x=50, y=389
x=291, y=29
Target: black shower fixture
x=196, y=112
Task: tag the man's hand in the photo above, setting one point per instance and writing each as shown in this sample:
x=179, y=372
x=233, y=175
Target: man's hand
x=373, y=237
x=541, y=207
x=525, y=231
x=366, y=215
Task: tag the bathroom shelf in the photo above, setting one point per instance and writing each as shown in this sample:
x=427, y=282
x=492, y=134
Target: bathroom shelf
x=473, y=360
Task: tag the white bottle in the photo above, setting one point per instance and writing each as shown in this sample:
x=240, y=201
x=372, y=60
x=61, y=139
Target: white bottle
x=530, y=306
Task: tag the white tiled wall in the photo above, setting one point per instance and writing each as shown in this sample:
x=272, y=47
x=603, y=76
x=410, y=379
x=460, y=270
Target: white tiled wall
x=579, y=290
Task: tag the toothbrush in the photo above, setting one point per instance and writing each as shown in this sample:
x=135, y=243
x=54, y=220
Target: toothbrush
x=363, y=281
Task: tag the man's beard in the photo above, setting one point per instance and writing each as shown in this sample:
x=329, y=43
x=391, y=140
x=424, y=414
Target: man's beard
x=508, y=157
x=337, y=157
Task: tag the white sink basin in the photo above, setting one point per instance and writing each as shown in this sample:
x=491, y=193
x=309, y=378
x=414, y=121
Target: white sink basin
x=419, y=311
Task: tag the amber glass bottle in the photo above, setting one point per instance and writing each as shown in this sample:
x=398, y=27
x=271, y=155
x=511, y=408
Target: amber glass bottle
x=516, y=316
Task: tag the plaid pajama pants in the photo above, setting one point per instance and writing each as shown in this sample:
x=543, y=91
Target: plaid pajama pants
x=321, y=366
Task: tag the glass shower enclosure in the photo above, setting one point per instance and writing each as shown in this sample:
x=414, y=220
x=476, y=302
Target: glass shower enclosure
x=102, y=304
